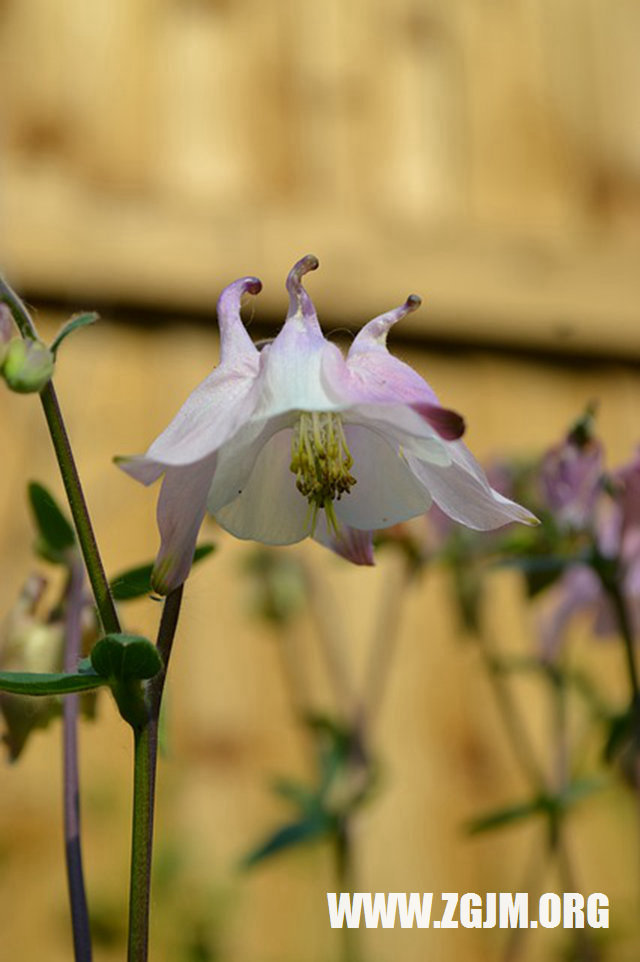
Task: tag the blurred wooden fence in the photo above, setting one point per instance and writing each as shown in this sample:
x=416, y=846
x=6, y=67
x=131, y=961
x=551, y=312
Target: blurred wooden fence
x=484, y=153
x=443, y=753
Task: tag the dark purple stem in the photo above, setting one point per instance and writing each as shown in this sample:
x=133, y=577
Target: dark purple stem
x=71, y=800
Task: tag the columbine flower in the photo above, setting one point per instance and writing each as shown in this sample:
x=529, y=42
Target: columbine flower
x=571, y=475
x=580, y=590
x=297, y=440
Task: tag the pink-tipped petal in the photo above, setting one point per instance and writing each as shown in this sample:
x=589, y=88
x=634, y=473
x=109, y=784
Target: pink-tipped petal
x=292, y=365
x=234, y=339
x=300, y=304
x=349, y=543
x=374, y=333
x=447, y=423
x=181, y=508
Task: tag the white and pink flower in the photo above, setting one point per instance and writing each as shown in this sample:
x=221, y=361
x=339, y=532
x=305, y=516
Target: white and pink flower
x=296, y=440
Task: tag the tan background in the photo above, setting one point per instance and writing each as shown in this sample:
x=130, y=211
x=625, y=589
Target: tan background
x=484, y=154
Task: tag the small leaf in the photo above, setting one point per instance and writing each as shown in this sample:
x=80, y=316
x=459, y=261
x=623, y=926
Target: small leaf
x=293, y=834
x=508, y=815
x=56, y=535
x=125, y=657
x=36, y=683
x=136, y=582
x=73, y=324
x=551, y=805
x=297, y=793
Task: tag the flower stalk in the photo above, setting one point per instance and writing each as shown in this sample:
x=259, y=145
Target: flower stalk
x=69, y=472
x=71, y=791
x=144, y=785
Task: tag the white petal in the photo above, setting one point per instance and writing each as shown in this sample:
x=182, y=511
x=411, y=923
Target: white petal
x=291, y=377
x=386, y=490
x=140, y=468
x=180, y=511
x=270, y=508
x=236, y=459
x=210, y=415
x=462, y=491
x=403, y=427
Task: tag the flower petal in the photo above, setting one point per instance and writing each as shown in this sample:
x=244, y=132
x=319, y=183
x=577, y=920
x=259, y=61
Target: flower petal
x=142, y=469
x=218, y=406
x=181, y=508
x=270, y=509
x=401, y=425
x=462, y=491
x=291, y=366
x=209, y=417
x=386, y=490
x=235, y=342
x=237, y=458
x=372, y=375
x=350, y=543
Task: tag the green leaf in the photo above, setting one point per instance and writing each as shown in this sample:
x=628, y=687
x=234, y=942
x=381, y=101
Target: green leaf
x=291, y=835
x=75, y=322
x=36, y=683
x=508, y=815
x=540, y=571
x=125, y=657
x=551, y=805
x=136, y=582
x=55, y=533
x=299, y=794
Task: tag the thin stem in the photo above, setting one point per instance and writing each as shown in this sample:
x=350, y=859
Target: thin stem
x=385, y=634
x=69, y=472
x=82, y=521
x=512, y=719
x=71, y=796
x=624, y=623
x=144, y=786
x=346, y=883
x=331, y=641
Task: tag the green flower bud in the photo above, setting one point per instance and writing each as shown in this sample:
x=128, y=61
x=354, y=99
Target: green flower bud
x=28, y=365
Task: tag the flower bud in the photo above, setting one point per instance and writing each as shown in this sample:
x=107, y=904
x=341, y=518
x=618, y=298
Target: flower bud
x=28, y=644
x=32, y=639
x=28, y=365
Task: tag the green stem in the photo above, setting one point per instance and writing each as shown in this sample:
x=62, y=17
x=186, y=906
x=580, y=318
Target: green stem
x=69, y=472
x=144, y=785
x=346, y=883
x=512, y=719
x=82, y=521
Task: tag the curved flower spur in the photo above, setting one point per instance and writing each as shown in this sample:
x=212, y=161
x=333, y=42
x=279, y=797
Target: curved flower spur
x=296, y=440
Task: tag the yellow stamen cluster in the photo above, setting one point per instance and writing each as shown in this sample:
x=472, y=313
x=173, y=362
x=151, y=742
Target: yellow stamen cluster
x=321, y=461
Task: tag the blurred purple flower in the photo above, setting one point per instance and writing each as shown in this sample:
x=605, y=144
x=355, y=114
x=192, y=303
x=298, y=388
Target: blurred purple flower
x=296, y=440
x=570, y=479
x=617, y=542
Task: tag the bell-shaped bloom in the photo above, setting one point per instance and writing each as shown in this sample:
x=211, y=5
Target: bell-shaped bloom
x=571, y=476
x=580, y=590
x=296, y=440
